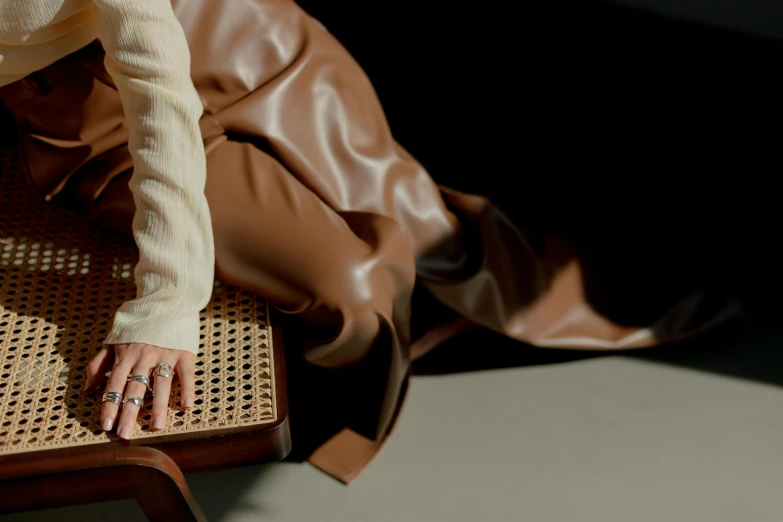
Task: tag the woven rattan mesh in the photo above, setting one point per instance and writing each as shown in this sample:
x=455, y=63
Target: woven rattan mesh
x=61, y=278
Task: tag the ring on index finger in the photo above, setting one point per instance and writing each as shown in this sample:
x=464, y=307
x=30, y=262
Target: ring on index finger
x=114, y=397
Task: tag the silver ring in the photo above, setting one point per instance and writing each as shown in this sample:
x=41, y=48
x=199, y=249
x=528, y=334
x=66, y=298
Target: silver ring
x=140, y=378
x=135, y=400
x=115, y=397
x=164, y=370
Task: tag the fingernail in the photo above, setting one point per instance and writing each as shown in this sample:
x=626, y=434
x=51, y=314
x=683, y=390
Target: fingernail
x=188, y=403
x=125, y=432
x=157, y=423
x=88, y=384
x=108, y=423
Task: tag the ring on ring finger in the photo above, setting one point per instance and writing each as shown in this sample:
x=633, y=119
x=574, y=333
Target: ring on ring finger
x=164, y=370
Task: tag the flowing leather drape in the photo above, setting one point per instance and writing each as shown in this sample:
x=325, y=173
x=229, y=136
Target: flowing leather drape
x=316, y=207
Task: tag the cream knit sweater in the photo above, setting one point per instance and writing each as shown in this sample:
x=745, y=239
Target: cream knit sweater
x=148, y=59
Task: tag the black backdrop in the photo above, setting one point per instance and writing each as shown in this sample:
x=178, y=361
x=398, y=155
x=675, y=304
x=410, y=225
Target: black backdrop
x=653, y=136
x=578, y=107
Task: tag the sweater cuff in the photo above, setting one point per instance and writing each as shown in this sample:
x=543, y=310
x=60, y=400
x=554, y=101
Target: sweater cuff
x=175, y=333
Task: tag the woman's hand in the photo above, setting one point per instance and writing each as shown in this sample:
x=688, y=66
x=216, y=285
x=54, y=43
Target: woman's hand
x=143, y=359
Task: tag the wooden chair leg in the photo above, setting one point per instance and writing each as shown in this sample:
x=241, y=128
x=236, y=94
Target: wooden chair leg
x=165, y=496
x=111, y=472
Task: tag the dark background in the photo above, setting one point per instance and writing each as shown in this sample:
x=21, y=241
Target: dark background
x=593, y=116
x=585, y=108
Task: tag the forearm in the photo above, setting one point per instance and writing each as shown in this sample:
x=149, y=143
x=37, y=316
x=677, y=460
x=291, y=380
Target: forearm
x=148, y=59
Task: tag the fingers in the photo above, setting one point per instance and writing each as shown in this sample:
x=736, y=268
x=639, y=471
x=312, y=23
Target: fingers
x=136, y=390
x=125, y=357
x=97, y=368
x=143, y=360
x=160, y=401
x=184, y=366
x=187, y=379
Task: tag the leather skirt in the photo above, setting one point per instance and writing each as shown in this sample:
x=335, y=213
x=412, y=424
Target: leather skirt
x=316, y=208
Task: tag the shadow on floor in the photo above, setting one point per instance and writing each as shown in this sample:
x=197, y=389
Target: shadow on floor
x=750, y=348
x=221, y=492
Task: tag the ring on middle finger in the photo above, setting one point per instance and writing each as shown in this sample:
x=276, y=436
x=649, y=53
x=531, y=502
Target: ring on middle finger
x=135, y=400
x=140, y=378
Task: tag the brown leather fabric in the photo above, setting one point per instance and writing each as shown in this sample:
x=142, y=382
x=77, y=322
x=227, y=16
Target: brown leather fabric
x=317, y=208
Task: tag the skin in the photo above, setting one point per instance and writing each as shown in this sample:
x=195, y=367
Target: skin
x=125, y=359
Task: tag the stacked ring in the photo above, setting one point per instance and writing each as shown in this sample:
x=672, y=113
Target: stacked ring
x=114, y=397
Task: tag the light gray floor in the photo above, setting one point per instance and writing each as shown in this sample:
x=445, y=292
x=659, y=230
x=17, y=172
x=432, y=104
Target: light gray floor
x=609, y=439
